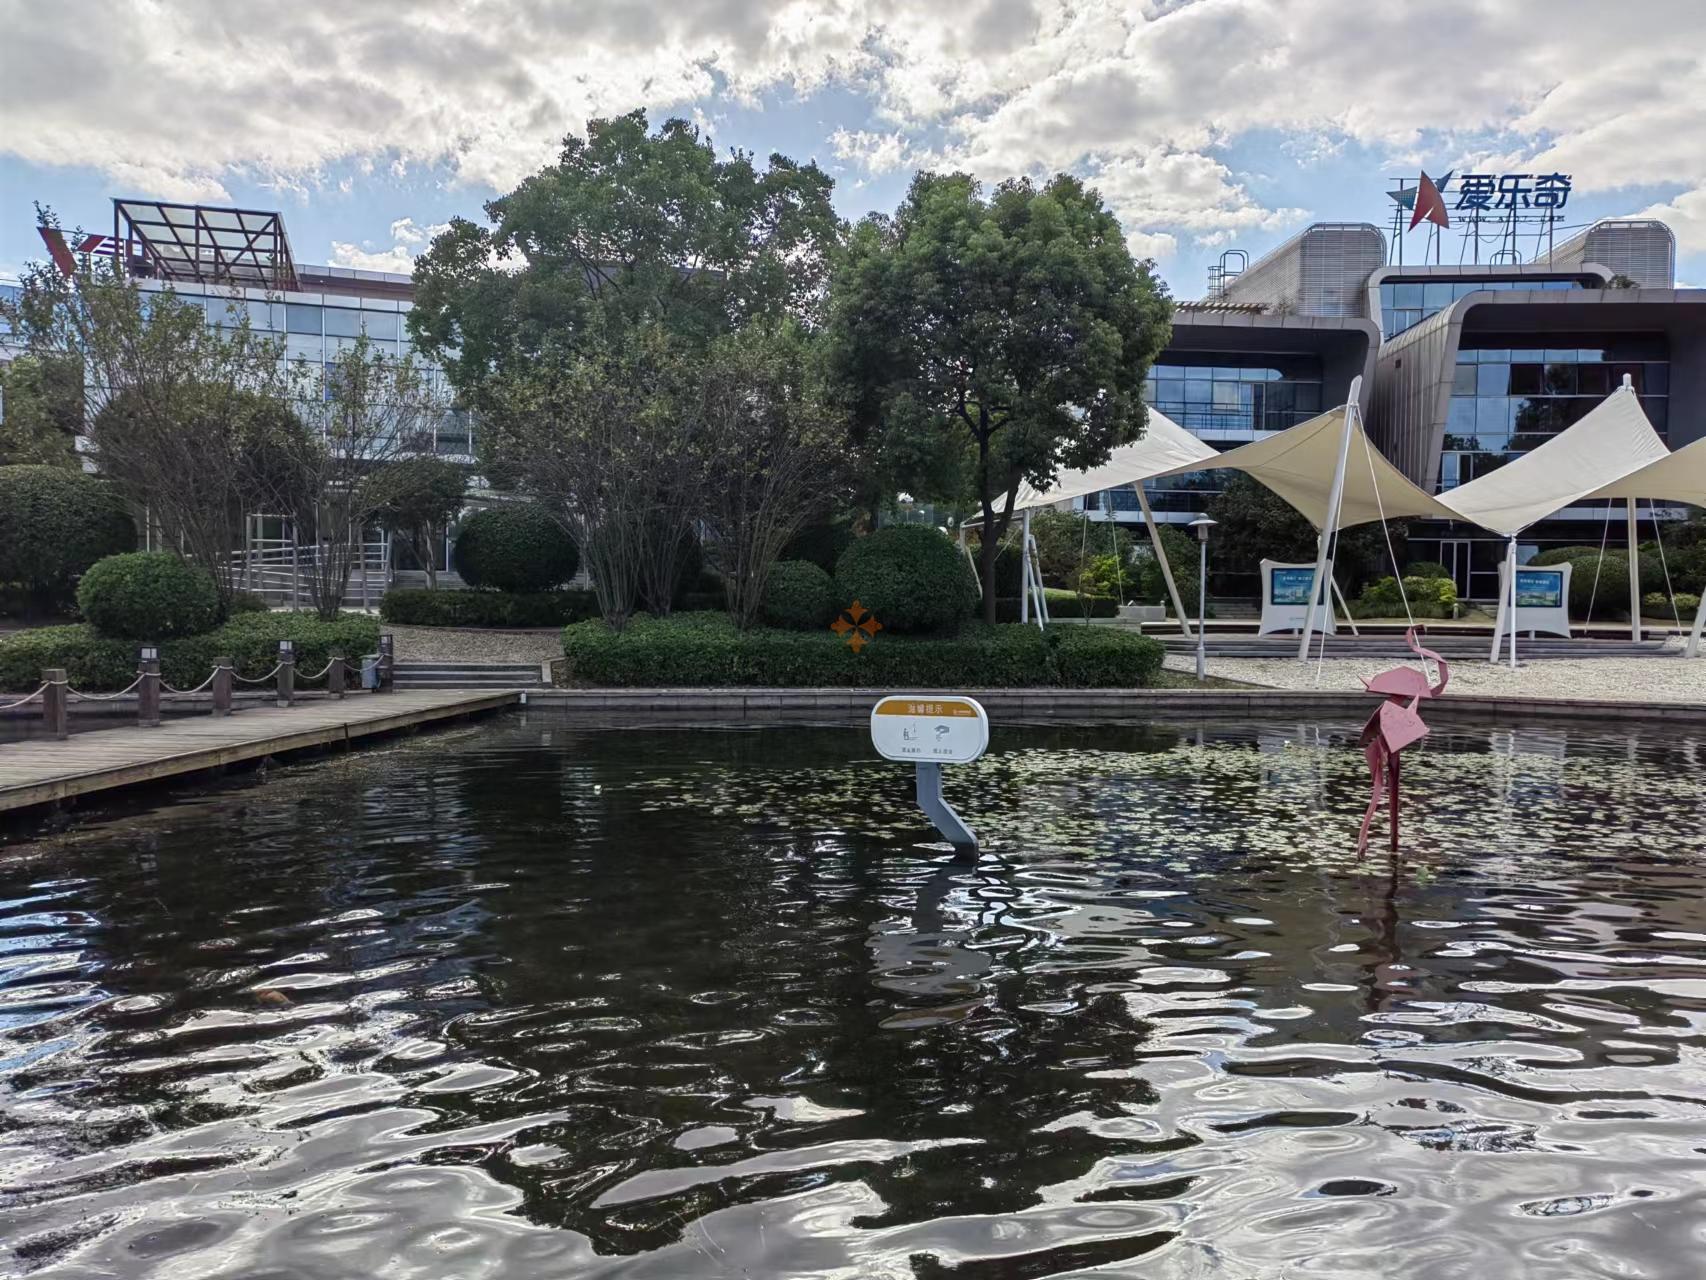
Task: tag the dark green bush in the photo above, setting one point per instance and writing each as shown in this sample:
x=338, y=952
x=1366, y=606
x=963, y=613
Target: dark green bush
x=54, y=524
x=422, y=608
x=148, y=595
x=95, y=662
x=799, y=596
x=1610, y=598
x=1063, y=606
x=913, y=578
x=514, y=548
x=1428, y=597
x=1427, y=569
x=821, y=544
x=246, y=602
x=706, y=650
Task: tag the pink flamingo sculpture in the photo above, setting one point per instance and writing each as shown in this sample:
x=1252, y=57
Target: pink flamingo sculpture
x=1395, y=724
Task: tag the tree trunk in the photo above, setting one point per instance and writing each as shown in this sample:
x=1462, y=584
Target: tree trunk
x=986, y=552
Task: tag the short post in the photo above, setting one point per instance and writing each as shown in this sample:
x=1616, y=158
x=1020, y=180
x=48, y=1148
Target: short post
x=286, y=672
x=387, y=657
x=148, y=690
x=335, y=676
x=223, y=681
x=1202, y=524
x=54, y=703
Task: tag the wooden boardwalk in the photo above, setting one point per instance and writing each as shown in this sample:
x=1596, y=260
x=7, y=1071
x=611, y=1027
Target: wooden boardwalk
x=36, y=772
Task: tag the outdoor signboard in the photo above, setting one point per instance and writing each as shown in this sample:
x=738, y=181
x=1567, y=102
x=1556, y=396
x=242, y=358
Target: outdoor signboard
x=1542, y=598
x=1285, y=598
x=930, y=728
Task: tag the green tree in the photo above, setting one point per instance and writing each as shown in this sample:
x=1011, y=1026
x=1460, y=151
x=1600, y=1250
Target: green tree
x=1256, y=524
x=41, y=411
x=421, y=498
x=630, y=228
x=994, y=341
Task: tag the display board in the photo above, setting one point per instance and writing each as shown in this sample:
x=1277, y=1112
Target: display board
x=929, y=728
x=1285, y=598
x=1542, y=598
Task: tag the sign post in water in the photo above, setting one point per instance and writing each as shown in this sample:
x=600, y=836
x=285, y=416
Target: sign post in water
x=931, y=730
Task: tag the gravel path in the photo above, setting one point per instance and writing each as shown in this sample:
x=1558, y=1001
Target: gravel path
x=450, y=644
x=1613, y=679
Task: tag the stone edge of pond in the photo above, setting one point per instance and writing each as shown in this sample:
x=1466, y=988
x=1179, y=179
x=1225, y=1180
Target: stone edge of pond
x=722, y=705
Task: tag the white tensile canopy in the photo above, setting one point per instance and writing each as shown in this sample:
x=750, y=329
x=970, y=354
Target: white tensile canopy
x=1613, y=440
x=1165, y=447
x=1299, y=464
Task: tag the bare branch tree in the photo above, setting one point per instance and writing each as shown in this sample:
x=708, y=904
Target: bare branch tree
x=775, y=450
x=174, y=399
x=368, y=412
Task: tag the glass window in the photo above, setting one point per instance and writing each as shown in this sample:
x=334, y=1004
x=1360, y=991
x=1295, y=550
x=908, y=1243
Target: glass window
x=1463, y=289
x=1199, y=393
x=1561, y=379
x=381, y=324
x=1658, y=379
x=1460, y=421
x=1492, y=379
x=265, y=316
x=1448, y=469
x=1226, y=395
x=1657, y=410
x=341, y=322
x=1308, y=397
x=1388, y=321
x=302, y=319
x=1199, y=372
x=1493, y=355
x=1566, y=355
x=1527, y=379
x=1463, y=379
x=1635, y=372
x=1593, y=380
x=1528, y=355
x=1407, y=295
x=1492, y=415
x=1436, y=297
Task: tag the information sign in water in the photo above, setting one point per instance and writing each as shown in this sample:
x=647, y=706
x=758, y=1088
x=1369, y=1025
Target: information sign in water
x=930, y=727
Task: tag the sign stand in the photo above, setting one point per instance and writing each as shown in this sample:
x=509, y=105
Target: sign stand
x=930, y=730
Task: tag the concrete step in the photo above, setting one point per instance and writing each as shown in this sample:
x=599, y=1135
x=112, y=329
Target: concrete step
x=467, y=675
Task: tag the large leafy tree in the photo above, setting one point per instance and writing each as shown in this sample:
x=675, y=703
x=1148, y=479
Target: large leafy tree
x=994, y=341
x=630, y=229
x=1254, y=524
x=41, y=411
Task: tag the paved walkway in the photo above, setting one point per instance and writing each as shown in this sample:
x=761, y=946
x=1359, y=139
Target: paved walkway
x=38, y=771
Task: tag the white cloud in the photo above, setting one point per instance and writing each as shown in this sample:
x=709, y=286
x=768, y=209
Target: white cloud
x=1142, y=96
x=408, y=238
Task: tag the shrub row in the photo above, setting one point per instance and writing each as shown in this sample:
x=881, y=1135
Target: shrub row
x=1656, y=604
x=54, y=524
x=95, y=662
x=1062, y=606
x=423, y=608
x=706, y=650
x=1429, y=597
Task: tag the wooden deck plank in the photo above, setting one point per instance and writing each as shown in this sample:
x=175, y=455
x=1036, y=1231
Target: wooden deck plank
x=37, y=772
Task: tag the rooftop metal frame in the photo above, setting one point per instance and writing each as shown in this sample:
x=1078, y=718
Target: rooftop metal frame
x=209, y=244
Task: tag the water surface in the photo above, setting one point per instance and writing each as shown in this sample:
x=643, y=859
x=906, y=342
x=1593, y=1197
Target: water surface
x=523, y=999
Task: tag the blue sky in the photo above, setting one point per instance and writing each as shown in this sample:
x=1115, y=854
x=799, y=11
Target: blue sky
x=1207, y=124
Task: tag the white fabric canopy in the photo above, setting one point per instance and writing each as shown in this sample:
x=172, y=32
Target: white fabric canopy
x=1298, y=464
x=1613, y=441
x=1676, y=477
x=1165, y=447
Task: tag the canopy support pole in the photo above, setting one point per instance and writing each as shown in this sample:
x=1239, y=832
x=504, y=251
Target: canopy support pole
x=1025, y=566
x=1036, y=563
x=1334, y=500
x=1693, y=649
x=1345, y=605
x=1510, y=614
x=1161, y=559
x=1634, y=576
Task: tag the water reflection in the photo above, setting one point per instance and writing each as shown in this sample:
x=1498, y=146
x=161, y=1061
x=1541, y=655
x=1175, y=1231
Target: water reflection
x=527, y=1000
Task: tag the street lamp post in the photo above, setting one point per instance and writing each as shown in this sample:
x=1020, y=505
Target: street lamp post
x=1202, y=524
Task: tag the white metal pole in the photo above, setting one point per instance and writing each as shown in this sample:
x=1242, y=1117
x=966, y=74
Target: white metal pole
x=1332, y=522
x=1513, y=601
x=1634, y=576
x=1025, y=567
x=1202, y=607
x=1693, y=649
x=1499, y=622
x=1161, y=559
x=1345, y=604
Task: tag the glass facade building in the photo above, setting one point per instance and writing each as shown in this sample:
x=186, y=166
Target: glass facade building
x=1405, y=303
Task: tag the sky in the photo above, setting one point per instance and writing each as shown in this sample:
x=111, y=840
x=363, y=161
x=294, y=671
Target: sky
x=1205, y=124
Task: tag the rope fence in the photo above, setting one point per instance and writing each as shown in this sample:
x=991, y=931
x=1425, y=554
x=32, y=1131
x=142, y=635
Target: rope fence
x=104, y=697
x=257, y=679
x=31, y=697
x=214, y=675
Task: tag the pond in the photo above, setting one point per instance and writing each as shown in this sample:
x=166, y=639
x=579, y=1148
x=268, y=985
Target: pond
x=530, y=999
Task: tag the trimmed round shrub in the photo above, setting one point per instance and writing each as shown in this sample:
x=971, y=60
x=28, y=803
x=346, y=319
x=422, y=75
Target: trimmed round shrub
x=54, y=524
x=822, y=544
x=148, y=595
x=913, y=578
x=1611, y=598
x=799, y=596
x=1426, y=569
x=516, y=548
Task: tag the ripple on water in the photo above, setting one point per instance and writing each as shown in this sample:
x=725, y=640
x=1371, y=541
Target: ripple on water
x=521, y=999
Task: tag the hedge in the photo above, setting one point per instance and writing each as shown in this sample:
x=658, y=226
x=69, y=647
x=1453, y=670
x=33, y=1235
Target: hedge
x=517, y=548
x=1062, y=605
x=96, y=662
x=54, y=524
x=148, y=595
x=1428, y=598
x=913, y=578
x=704, y=650
x=424, y=608
x=799, y=596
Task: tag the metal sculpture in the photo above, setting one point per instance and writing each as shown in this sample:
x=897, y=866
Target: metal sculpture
x=1395, y=724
